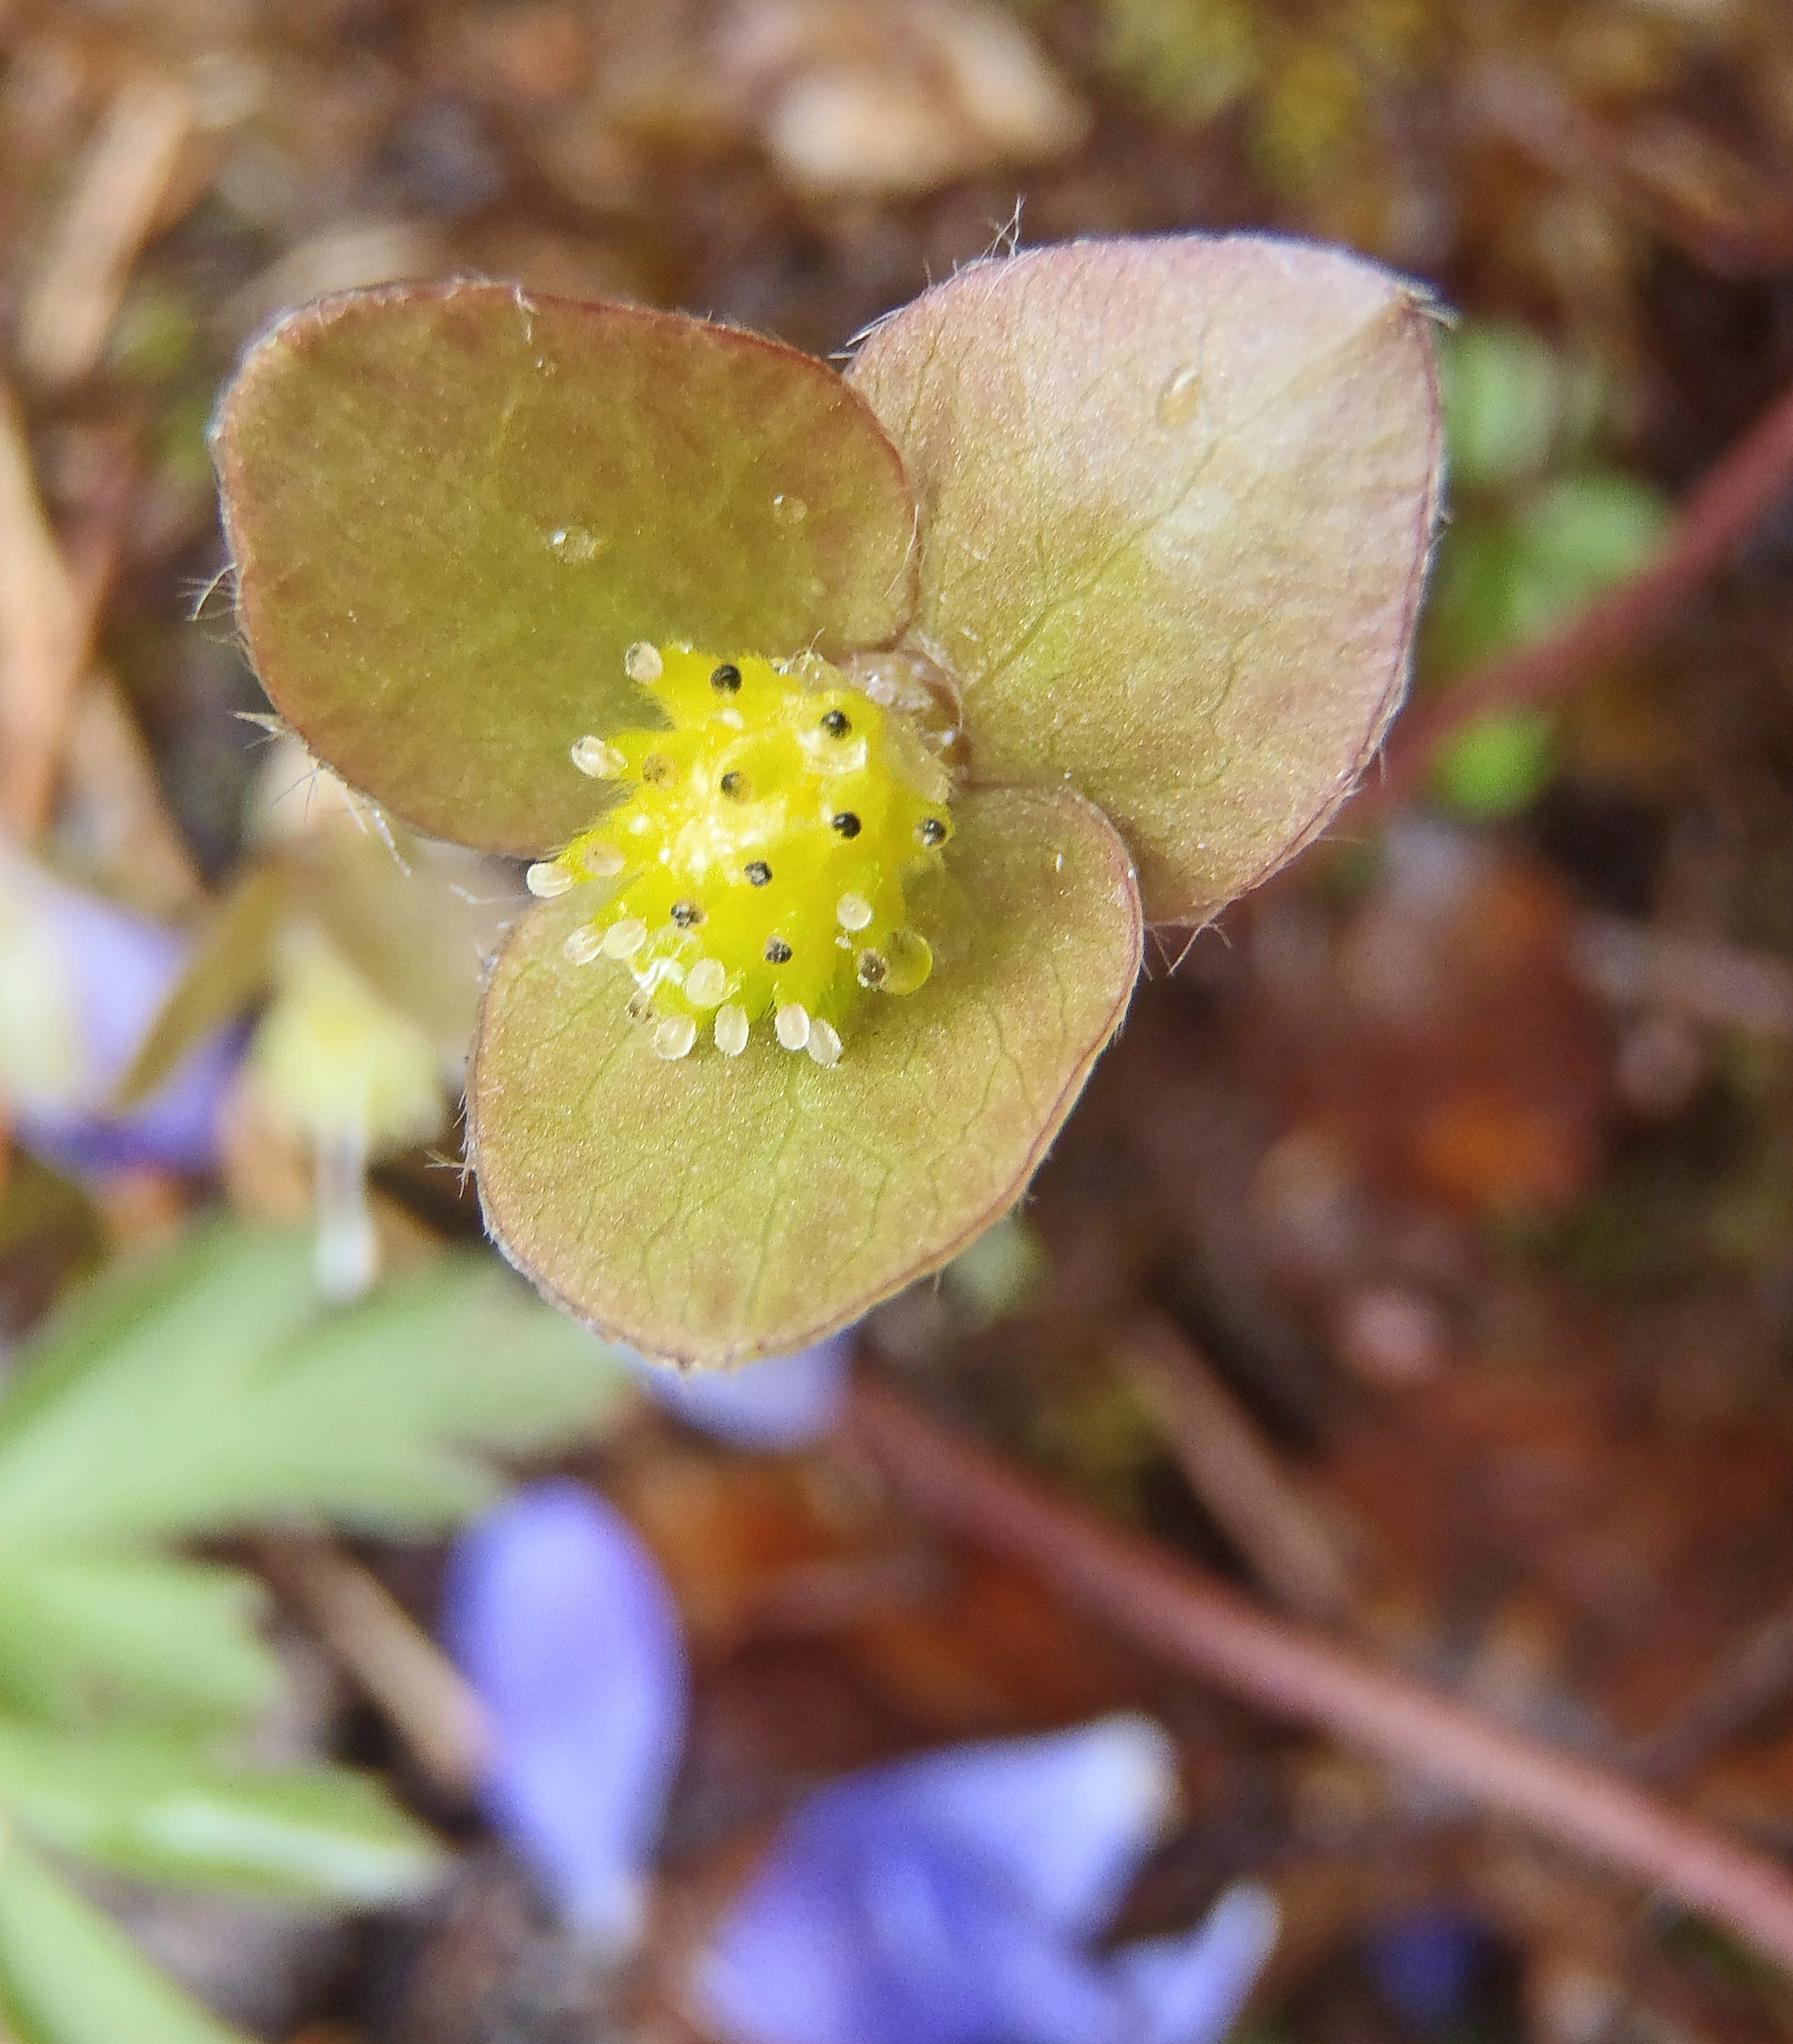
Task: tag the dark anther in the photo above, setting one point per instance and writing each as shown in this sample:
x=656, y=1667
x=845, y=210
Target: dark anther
x=726, y=678
x=685, y=913
x=847, y=824
x=930, y=830
x=871, y=969
x=834, y=722
x=758, y=872
x=657, y=770
x=778, y=951
x=732, y=783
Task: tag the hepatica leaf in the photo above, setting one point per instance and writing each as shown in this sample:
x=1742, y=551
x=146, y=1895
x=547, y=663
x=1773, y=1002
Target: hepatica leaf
x=1176, y=498
x=1104, y=557
x=452, y=507
x=715, y=1209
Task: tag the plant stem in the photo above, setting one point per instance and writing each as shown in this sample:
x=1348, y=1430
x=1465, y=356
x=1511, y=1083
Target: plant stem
x=1187, y=1618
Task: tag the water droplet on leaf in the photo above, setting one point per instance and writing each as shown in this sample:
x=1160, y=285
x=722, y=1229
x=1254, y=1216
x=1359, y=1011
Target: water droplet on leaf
x=1181, y=398
x=908, y=960
x=574, y=543
x=789, y=510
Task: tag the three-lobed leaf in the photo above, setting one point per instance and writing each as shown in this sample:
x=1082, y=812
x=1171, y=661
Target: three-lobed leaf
x=1160, y=511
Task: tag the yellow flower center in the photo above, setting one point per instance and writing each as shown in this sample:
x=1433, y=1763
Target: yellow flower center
x=761, y=851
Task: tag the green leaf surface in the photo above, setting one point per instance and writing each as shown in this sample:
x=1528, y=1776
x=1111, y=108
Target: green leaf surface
x=85, y=1638
x=1507, y=580
x=1498, y=765
x=68, y=1975
x=1513, y=404
x=1177, y=499
x=212, y=1388
x=452, y=507
x=714, y=1209
x=160, y=1811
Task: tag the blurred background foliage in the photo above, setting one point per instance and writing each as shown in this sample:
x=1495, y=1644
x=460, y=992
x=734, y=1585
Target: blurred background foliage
x=1421, y=1257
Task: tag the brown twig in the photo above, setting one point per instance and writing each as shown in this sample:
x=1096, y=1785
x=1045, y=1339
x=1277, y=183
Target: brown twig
x=1753, y=1678
x=421, y=1691
x=1188, y=1619
x=1721, y=510
x=1257, y=1504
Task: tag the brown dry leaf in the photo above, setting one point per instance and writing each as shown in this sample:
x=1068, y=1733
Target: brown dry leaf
x=117, y=195
x=42, y=636
x=850, y=101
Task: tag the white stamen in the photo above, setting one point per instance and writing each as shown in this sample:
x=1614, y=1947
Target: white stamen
x=548, y=878
x=825, y=1042
x=733, y=718
x=852, y=912
x=625, y=938
x=706, y=982
x=603, y=862
x=674, y=1037
x=731, y=1030
x=792, y=1023
x=642, y=662
x=585, y=944
x=592, y=756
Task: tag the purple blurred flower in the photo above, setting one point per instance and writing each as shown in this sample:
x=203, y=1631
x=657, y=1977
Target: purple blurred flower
x=1425, y=1964
x=951, y=1899
x=784, y=1402
x=557, y=1615
x=81, y=981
